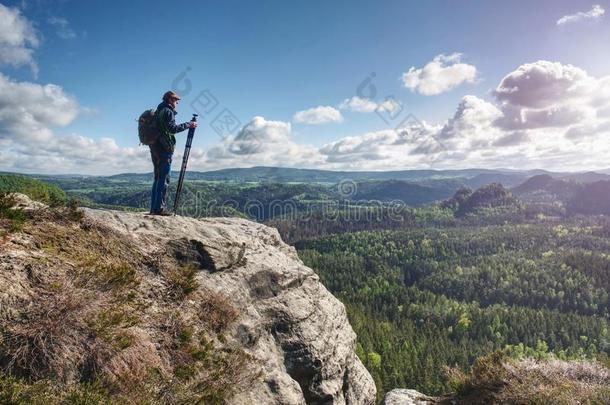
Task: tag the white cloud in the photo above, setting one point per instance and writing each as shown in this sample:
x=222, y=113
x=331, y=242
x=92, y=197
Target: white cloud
x=365, y=105
x=17, y=39
x=357, y=104
x=31, y=113
x=543, y=84
x=29, y=110
x=258, y=135
x=595, y=13
x=586, y=131
x=75, y=154
x=473, y=120
x=512, y=139
x=442, y=74
x=318, y=115
x=370, y=146
x=62, y=27
x=385, y=149
x=547, y=94
x=515, y=118
x=259, y=142
x=390, y=105
x=543, y=114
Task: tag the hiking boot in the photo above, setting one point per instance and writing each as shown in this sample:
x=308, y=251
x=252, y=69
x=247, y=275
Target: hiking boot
x=163, y=213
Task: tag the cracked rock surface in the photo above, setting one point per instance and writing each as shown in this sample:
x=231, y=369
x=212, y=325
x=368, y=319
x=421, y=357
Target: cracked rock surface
x=295, y=329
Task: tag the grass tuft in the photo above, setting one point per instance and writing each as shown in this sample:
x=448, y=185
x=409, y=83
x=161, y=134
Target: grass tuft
x=216, y=311
x=182, y=281
x=44, y=342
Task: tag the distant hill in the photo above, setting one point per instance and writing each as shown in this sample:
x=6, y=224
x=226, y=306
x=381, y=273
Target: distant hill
x=473, y=177
x=506, y=179
x=493, y=195
x=577, y=197
x=538, y=188
x=534, y=183
x=546, y=189
x=591, y=199
x=285, y=174
x=588, y=177
x=139, y=177
x=604, y=171
x=476, y=176
x=410, y=193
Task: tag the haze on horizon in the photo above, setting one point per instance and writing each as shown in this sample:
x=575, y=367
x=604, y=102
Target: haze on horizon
x=342, y=86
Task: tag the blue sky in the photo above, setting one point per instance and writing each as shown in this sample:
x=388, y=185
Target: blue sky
x=272, y=59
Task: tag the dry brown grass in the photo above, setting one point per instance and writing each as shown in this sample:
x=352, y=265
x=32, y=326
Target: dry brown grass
x=220, y=374
x=46, y=342
x=66, y=335
x=97, y=313
x=497, y=379
x=216, y=311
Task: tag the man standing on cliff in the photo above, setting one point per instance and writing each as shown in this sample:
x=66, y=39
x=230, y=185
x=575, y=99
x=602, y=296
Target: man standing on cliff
x=162, y=150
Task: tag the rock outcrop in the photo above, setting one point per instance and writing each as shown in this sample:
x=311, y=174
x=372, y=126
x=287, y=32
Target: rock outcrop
x=407, y=397
x=295, y=333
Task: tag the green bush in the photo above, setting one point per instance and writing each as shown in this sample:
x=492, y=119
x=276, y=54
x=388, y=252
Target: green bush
x=16, y=217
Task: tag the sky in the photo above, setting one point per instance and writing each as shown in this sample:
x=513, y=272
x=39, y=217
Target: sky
x=341, y=85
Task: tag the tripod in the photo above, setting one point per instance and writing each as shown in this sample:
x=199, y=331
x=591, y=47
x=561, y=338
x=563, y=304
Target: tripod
x=185, y=158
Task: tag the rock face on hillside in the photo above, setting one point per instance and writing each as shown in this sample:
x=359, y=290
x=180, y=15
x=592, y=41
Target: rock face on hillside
x=294, y=331
x=407, y=397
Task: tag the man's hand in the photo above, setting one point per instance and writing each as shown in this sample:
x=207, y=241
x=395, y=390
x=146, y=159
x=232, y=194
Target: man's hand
x=192, y=124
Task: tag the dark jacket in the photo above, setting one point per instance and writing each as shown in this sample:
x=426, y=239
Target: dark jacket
x=166, y=123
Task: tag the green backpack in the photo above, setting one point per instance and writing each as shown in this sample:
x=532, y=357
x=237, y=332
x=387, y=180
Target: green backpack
x=147, y=127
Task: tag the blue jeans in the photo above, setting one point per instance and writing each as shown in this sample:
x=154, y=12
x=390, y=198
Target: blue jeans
x=162, y=162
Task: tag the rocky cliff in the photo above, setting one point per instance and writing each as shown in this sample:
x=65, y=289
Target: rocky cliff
x=171, y=308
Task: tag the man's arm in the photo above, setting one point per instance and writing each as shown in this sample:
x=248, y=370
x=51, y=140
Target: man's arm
x=170, y=122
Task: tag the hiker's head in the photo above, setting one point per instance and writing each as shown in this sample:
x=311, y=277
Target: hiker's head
x=171, y=98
